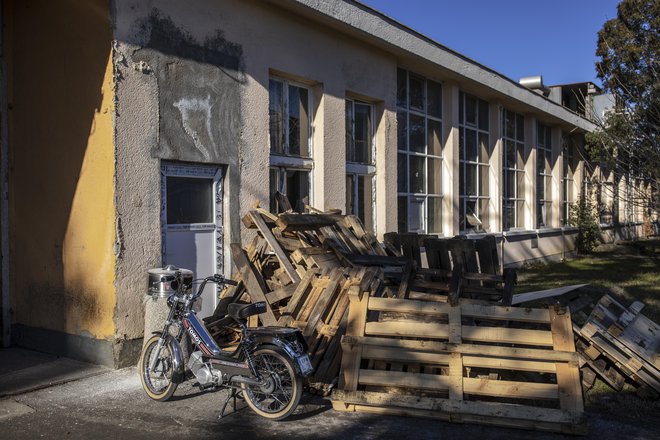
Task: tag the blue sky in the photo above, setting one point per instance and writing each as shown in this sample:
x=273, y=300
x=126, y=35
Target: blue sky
x=553, y=38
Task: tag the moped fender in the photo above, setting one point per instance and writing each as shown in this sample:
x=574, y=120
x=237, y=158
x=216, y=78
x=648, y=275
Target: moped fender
x=271, y=339
x=178, y=364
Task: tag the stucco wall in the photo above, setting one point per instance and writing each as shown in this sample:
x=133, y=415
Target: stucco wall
x=61, y=167
x=215, y=58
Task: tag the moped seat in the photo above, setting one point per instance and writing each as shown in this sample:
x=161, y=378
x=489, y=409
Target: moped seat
x=243, y=311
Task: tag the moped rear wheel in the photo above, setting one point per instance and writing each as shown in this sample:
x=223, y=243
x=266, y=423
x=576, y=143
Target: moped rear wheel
x=157, y=383
x=278, y=397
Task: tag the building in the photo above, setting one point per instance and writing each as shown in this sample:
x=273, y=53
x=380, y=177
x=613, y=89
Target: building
x=139, y=133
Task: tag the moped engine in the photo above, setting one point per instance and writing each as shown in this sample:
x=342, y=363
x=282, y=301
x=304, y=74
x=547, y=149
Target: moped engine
x=205, y=374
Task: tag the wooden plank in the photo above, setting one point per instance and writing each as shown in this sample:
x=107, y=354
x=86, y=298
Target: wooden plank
x=296, y=299
x=281, y=294
x=455, y=327
x=465, y=349
x=415, y=329
x=275, y=246
x=409, y=329
x=351, y=358
x=540, y=294
x=406, y=276
x=507, y=335
x=515, y=415
x=568, y=375
x=456, y=383
x=519, y=314
x=253, y=282
x=482, y=387
x=305, y=222
x=327, y=297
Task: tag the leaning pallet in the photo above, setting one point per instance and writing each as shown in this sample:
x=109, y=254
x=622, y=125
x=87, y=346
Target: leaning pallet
x=435, y=361
x=626, y=340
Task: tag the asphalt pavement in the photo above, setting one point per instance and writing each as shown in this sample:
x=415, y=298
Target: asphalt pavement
x=111, y=405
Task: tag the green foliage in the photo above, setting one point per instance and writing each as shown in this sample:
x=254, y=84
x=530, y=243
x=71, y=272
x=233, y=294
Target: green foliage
x=583, y=216
x=628, y=63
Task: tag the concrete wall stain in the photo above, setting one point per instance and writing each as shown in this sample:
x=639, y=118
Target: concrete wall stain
x=198, y=91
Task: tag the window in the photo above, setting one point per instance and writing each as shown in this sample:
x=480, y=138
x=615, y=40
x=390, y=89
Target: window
x=474, y=153
x=290, y=144
x=419, y=163
x=360, y=169
x=513, y=170
x=543, y=175
x=569, y=166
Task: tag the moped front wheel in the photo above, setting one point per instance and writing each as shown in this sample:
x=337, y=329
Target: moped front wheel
x=278, y=396
x=157, y=383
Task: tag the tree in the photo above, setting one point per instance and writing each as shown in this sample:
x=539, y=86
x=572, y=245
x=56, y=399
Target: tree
x=628, y=65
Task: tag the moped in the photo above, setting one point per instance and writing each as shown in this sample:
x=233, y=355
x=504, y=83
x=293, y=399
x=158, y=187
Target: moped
x=265, y=368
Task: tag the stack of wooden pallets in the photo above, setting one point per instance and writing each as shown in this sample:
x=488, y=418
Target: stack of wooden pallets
x=407, y=338
x=616, y=343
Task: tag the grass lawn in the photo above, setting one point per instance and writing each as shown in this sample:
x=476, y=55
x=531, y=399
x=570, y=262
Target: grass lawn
x=617, y=270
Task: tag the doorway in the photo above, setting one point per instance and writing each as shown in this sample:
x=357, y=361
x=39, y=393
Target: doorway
x=191, y=218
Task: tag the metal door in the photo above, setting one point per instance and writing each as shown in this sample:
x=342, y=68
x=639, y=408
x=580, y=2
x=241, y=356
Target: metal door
x=191, y=217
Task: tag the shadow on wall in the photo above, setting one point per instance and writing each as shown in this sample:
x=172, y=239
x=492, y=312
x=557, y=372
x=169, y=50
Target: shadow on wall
x=61, y=215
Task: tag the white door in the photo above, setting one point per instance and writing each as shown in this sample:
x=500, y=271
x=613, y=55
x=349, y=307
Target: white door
x=191, y=218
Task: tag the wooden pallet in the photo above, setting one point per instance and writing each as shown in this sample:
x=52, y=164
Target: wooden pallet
x=627, y=340
x=519, y=368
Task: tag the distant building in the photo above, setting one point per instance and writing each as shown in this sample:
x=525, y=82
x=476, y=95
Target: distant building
x=138, y=133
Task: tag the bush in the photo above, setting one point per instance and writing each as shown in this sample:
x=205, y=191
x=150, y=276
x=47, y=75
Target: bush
x=583, y=216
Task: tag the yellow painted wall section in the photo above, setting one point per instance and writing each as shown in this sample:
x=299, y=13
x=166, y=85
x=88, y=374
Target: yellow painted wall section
x=88, y=258
x=62, y=166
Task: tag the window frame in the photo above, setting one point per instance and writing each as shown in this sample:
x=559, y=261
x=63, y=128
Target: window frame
x=464, y=163
x=569, y=167
x=543, y=177
x=411, y=197
x=285, y=161
x=517, y=169
x=355, y=170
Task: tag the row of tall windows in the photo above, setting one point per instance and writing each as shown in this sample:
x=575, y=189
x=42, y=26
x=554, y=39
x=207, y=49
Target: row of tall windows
x=419, y=158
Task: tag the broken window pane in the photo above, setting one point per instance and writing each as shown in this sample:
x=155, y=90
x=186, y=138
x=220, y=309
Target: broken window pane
x=297, y=189
x=276, y=116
